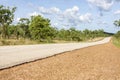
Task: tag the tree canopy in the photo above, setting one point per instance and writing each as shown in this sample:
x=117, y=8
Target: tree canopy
x=6, y=18
x=40, y=28
x=117, y=23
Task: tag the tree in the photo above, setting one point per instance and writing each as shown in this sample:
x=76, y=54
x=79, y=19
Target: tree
x=40, y=28
x=24, y=25
x=6, y=18
x=117, y=23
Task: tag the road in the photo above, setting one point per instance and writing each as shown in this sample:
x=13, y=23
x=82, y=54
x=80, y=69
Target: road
x=15, y=55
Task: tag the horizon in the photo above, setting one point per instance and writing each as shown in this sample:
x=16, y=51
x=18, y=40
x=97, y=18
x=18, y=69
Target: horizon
x=81, y=14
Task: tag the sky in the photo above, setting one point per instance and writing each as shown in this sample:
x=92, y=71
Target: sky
x=81, y=14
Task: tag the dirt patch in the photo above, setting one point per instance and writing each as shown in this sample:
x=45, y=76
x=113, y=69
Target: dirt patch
x=101, y=62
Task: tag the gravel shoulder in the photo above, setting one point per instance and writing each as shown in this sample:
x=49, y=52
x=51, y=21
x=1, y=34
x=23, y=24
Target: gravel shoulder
x=100, y=62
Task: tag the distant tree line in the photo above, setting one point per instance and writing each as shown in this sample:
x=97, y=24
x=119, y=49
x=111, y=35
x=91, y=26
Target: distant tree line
x=39, y=28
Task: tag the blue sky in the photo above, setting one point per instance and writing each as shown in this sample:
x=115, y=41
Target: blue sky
x=81, y=14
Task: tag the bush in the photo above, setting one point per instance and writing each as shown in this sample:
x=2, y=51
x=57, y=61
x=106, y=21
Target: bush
x=117, y=35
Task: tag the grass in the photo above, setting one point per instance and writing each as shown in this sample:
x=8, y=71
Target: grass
x=4, y=42
x=96, y=39
x=116, y=41
x=17, y=42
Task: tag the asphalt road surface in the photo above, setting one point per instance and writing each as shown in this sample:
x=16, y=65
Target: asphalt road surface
x=15, y=55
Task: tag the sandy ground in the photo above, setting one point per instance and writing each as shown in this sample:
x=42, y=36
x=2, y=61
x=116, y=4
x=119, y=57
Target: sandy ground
x=101, y=62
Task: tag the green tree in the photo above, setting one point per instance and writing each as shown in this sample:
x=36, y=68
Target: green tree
x=24, y=25
x=6, y=18
x=117, y=23
x=14, y=31
x=40, y=28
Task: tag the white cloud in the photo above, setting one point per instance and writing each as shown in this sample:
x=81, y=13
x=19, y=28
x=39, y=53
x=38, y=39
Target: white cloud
x=16, y=20
x=34, y=14
x=86, y=18
x=71, y=13
x=117, y=12
x=102, y=23
x=55, y=24
x=55, y=10
x=49, y=11
x=70, y=16
x=74, y=18
x=75, y=9
x=102, y=4
x=44, y=10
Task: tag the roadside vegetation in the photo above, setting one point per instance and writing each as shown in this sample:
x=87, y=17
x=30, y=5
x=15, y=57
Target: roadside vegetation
x=116, y=37
x=38, y=29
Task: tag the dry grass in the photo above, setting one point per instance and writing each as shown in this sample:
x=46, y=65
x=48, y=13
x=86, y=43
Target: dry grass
x=4, y=42
x=116, y=41
x=96, y=39
x=17, y=42
x=100, y=62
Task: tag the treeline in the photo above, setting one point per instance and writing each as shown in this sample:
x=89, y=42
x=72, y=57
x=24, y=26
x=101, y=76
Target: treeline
x=39, y=28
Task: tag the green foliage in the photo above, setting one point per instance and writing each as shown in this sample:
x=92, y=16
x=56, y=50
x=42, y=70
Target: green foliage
x=117, y=35
x=40, y=28
x=117, y=23
x=15, y=31
x=6, y=18
x=24, y=26
x=116, y=39
x=76, y=35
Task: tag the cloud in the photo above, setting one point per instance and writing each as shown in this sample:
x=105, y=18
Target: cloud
x=49, y=11
x=69, y=17
x=102, y=23
x=117, y=12
x=74, y=18
x=55, y=24
x=103, y=5
x=16, y=20
x=86, y=18
x=34, y=14
x=44, y=10
x=73, y=10
x=55, y=10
